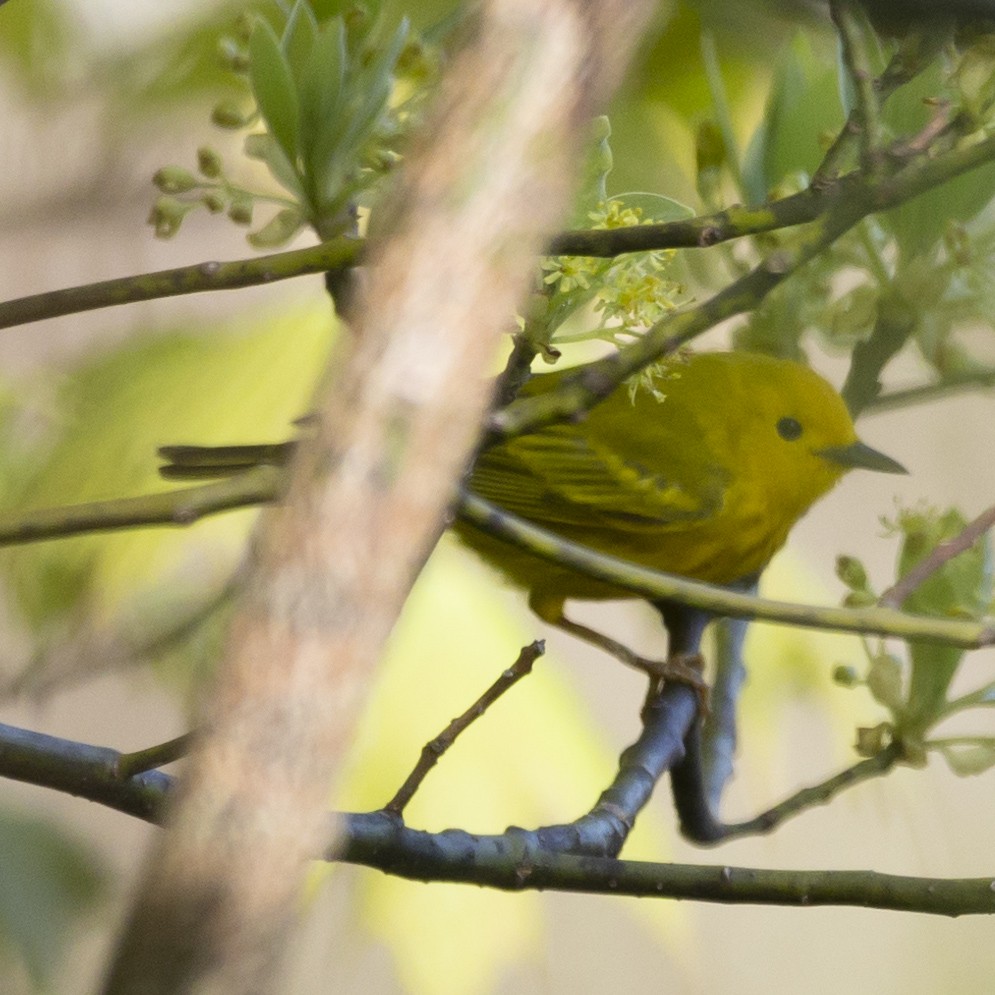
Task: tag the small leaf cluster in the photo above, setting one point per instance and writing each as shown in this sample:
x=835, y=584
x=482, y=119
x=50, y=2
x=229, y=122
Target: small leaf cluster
x=334, y=97
x=916, y=276
x=915, y=689
x=619, y=298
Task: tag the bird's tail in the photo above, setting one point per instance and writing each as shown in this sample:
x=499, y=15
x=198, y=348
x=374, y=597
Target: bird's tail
x=190, y=462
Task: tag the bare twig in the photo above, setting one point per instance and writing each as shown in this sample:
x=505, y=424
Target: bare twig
x=432, y=751
x=153, y=757
x=201, y=277
x=700, y=824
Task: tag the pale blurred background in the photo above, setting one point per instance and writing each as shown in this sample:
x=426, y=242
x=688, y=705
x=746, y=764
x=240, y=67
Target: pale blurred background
x=94, y=98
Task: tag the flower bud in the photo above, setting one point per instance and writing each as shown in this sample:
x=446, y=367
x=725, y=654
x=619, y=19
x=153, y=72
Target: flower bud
x=214, y=202
x=851, y=571
x=232, y=56
x=846, y=675
x=166, y=216
x=229, y=115
x=240, y=210
x=174, y=179
x=282, y=227
x=209, y=162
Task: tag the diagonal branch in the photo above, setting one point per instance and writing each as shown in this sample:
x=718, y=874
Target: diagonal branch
x=896, y=595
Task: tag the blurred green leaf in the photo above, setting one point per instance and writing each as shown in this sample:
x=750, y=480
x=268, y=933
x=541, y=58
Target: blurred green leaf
x=884, y=681
x=299, y=36
x=592, y=186
x=282, y=227
x=803, y=105
x=264, y=147
x=37, y=40
x=274, y=89
x=240, y=384
x=961, y=586
x=921, y=222
x=968, y=758
x=322, y=79
x=48, y=881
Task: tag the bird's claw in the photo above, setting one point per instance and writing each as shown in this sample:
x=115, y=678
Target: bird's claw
x=681, y=668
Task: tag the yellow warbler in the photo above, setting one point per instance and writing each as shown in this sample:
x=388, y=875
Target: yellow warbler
x=700, y=471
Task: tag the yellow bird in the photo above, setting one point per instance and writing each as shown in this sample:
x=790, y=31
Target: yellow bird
x=702, y=471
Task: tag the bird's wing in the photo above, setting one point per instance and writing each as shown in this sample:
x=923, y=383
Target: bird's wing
x=561, y=476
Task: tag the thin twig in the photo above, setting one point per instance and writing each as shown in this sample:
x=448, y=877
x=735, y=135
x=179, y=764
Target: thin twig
x=178, y=507
x=896, y=595
x=914, y=54
x=263, y=484
x=154, y=757
x=865, y=119
x=208, y=276
x=951, y=384
x=818, y=794
x=432, y=751
x=656, y=586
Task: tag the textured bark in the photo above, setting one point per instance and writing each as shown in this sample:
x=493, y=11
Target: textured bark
x=334, y=562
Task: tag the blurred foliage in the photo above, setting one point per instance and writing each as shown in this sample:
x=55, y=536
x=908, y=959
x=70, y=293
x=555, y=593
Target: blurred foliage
x=48, y=881
x=914, y=688
x=105, y=423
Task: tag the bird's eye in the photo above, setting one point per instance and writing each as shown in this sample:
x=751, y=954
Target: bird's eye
x=789, y=429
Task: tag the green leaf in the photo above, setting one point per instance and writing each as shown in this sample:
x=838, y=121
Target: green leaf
x=884, y=681
x=281, y=228
x=961, y=586
x=299, y=37
x=592, y=188
x=321, y=85
x=655, y=207
x=264, y=147
x=802, y=105
x=968, y=758
x=274, y=89
x=920, y=222
x=48, y=881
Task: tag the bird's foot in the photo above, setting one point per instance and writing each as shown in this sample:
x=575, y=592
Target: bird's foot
x=679, y=668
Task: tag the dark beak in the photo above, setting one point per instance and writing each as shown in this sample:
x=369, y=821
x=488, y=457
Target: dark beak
x=860, y=456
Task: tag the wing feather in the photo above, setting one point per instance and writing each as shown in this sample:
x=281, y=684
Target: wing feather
x=567, y=475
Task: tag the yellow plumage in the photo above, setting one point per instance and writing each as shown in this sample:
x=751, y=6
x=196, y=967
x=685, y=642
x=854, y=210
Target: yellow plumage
x=701, y=472
x=705, y=483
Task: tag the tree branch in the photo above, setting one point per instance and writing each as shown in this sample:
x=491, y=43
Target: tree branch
x=656, y=586
x=336, y=254
x=515, y=860
x=262, y=484
x=396, y=421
